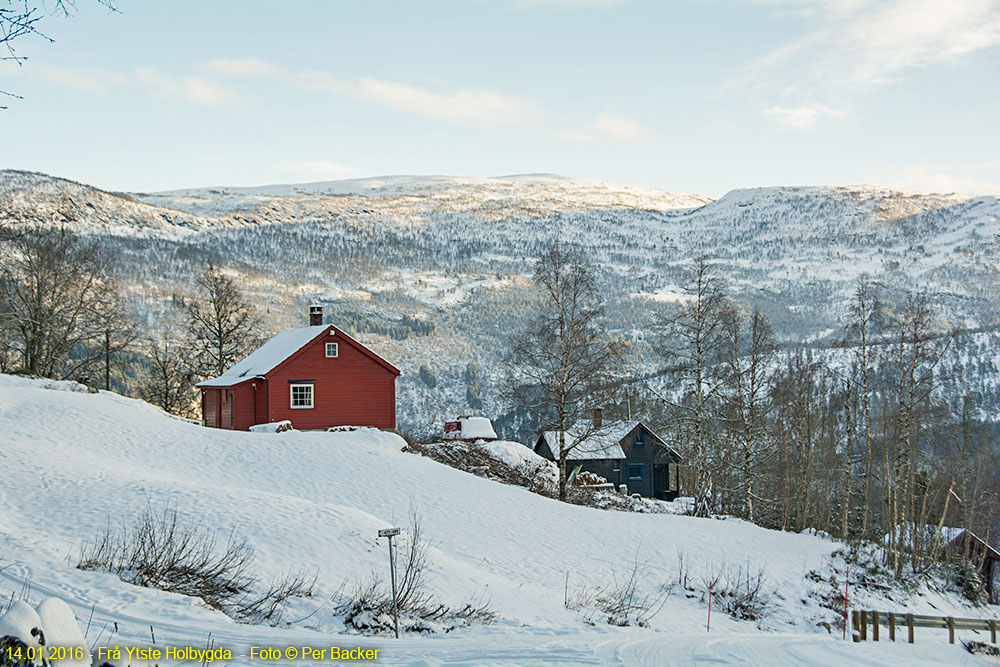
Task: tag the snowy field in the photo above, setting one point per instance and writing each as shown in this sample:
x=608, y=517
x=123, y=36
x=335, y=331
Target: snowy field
x=71, y=462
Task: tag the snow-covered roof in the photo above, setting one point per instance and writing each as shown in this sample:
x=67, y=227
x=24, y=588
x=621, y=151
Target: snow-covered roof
x=473, y=428
x=267, y=357
x=601, y=443
x=905, y=534
x=948, y=534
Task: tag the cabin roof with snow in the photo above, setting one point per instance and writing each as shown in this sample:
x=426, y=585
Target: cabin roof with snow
x=279, y=349
x=948, y=536
x=601, y=443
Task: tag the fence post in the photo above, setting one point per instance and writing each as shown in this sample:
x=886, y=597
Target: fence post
x=951, y=630
x=864, y=625
x=892, y=626
x=847, y=584
x=855, y=624
x=993, y=632
x=875, y=626
x=909, y=626
x=708, y=626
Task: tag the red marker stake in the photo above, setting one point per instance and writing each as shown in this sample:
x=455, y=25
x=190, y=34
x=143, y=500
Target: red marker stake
x=708, y=627
x=847, y=583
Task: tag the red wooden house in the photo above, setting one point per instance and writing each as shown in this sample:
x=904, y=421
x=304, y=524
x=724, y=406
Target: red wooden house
x=316, y=377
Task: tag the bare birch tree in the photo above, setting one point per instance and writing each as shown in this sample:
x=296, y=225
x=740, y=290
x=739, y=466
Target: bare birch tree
x=167, y=382
x=224, y=327
x=863, y=333
x=694, y=341
x=918, y=350
x=564, y=363
x=750, y=350
x=60, y=311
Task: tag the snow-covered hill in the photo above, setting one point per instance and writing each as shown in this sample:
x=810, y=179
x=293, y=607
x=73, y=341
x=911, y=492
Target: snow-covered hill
x=433, y=271
x=73, y=461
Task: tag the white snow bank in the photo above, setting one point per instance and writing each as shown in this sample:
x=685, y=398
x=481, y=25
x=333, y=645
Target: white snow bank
x=272, y=427
x=58, y=627
x=71, y=462
x=61, y=630
x=514, y=453
x=46, y=383
x=18, y=621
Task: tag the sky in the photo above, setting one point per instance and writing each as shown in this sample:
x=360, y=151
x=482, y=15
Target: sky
x=700, y=96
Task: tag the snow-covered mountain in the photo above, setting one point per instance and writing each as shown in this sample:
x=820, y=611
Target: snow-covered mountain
x=433, y=271
x=315, y=501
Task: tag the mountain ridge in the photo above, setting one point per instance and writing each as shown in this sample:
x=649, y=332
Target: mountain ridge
x=438, y=275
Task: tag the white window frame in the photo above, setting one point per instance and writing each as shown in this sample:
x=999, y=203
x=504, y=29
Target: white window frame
x=336, y=350
x=291, y=396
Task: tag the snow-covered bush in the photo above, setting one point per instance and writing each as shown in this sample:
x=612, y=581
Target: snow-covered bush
x=969, y=582
x=159, y=551
x=508, y=462
x=587, y=478
x=870, y=571
x=623, y=601
x=742, y=592
x=368, y=608
x=982, y=648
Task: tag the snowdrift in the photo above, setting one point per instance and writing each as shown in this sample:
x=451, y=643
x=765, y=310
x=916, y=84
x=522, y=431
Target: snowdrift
x=72, y=462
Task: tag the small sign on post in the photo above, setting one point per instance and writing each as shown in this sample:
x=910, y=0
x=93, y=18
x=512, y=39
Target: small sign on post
x=391, y=533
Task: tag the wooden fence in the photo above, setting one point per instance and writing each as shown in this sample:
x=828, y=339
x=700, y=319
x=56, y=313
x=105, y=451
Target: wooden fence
x=862, y=619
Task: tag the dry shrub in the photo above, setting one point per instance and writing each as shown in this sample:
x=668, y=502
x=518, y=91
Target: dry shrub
x=982, y=648
x=368, y=609
x=159, y=551
x=471, y=458
x=269, y=607
x=587, y=478
x=744, y=594
x=540, y=478
x=622, y=602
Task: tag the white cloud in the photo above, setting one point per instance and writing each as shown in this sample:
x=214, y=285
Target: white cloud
x=568, y=3
x=576, y=137
x=192, y=89
x=619, y=128
x=471, y=107
x=925, y=178
x=316, y=169
x=244, y=68
x=92, y=81
x=606, y=128
x=195, y=90
x=856, y=45
x=467, y=107
x=879, y=43
x=802, y=116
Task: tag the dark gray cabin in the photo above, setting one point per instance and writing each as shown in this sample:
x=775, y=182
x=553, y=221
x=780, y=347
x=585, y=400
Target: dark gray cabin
x=622, y=452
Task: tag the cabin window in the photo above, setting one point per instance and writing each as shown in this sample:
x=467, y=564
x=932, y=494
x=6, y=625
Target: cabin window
x=331, y=350
x=635, y=472
x=640, y=439
x=302, y=396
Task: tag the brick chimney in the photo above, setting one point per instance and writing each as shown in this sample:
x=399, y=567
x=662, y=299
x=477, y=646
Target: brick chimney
x=315, y=315
x=597, y=416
